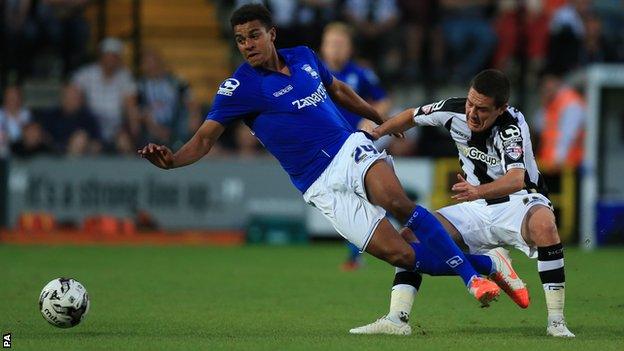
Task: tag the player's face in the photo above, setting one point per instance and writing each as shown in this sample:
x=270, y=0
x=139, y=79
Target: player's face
x=336, y=47
x=255, y=42
x=481, y=112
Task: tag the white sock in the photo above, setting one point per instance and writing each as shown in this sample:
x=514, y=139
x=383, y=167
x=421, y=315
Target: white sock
x=401, y=300
x=555, y=300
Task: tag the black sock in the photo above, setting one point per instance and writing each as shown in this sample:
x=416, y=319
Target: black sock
x=550, y=266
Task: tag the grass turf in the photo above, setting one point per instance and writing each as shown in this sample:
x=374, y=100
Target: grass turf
x=288, y=298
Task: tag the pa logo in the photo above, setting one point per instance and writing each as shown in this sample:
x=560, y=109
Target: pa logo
x=228, y=86
x=6, y=341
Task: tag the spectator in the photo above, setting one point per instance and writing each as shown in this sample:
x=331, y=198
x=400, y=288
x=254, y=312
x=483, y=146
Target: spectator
x=337, y=51
x=168, y=110
x=72, y=127
x=124, y=145
x=611, y=14
x=424, y=49
x=561, y=120
x=19, y=32
x=597, y=45
x=521, y=27
x=469, y=35
x=566, y=36
x=314, y=15
x=32, y=142
x=375, y=22
x=63, y=25
x=13, y=115
x=110, y=93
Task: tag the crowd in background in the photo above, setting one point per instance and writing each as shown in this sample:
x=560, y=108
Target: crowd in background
x=105, y=108
x=443, y=40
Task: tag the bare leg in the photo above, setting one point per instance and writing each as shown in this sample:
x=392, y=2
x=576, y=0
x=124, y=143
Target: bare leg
x=386, y=244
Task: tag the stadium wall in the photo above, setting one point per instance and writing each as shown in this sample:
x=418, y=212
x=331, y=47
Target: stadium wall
x=211, y=196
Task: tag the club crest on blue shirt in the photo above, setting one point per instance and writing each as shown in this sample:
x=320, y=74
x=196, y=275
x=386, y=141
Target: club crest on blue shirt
x=228, y=86
x=310, y=71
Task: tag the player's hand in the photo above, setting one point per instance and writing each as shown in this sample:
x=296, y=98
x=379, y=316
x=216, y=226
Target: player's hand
x=376, y=134
x=159, y=155
x=367, y=126
x=464, y=190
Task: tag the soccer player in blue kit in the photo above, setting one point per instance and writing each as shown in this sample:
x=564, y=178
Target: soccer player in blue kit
x=287, y=98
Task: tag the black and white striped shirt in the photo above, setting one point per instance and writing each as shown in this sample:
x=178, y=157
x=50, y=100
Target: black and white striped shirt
x=487, y=155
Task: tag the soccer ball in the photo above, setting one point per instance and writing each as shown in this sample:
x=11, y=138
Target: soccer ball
x=64, y=302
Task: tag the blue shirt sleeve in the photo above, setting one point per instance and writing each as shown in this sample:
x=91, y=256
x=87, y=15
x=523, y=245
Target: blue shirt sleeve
x=326, y=77
x=237, y=97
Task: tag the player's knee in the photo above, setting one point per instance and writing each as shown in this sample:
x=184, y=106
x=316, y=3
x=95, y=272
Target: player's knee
x=544, y=229
x=401, y=258
x=548, y=233
x=407, y=235
x=400, y=208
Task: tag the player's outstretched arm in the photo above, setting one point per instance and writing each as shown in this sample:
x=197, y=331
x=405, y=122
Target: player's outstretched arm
x=199, y=145
x=346, y=97
x=396, y=124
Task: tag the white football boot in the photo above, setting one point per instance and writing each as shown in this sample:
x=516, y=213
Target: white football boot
x=558, y=328
x=384, y=326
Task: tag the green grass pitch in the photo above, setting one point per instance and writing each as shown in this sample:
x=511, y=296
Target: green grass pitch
x=289, y=298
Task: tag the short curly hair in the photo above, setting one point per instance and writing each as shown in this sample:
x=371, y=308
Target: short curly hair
x=252, y=12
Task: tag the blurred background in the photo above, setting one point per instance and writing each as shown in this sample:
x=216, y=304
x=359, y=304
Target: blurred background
x=85, y=83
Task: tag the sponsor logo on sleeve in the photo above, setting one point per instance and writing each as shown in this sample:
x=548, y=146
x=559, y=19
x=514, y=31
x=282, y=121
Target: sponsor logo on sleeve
x=511, y=134
x=427, y=109
x=514, y=151
x=228, y=86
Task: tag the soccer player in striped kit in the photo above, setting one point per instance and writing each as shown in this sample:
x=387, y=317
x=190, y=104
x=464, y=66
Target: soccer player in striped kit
x=504, y=197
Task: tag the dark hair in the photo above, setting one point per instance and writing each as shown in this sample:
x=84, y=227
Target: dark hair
x=252, y=12
x=492, y=83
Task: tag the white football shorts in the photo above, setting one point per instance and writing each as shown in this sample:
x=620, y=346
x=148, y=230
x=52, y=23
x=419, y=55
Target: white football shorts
x=484, y=227
x=339, y=191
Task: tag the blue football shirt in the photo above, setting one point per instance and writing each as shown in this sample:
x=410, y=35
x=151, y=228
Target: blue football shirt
x=292, y=116
x=364, y=82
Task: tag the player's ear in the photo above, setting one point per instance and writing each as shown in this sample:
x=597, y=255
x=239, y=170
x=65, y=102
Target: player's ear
x=502, y=109
x=272, y=33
